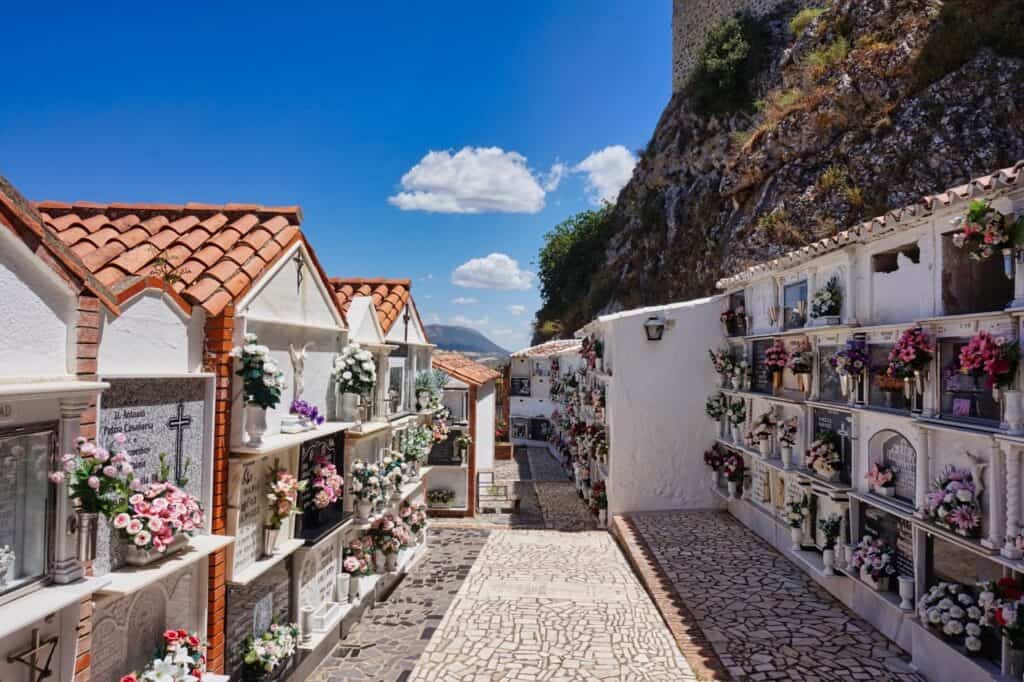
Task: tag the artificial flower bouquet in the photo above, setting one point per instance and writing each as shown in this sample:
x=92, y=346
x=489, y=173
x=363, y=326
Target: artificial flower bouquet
x=417, y=443
x=1003, y=604
x=439, y=427
x=874, y=558
x=714, y=457
x=271, y=651
x=732, y=467
x=307, y=412
x=721, y=361
x=394, y=472
x=881, y=477
x=715, y=407
x=97, y=480
x=389, y=534
x=952, y=502
x=992, y=357
x=796, y=512
x=765, y=426
x=182, y=659
x=414, y=516
x=823, y=455
x=327, y=484
x=157, y=515
x=952, y=611
x=788, y=430
x=354, y=370
x=801, y=359
x=830, y=527
x=912, y=352
x=851, y=360
x=827, y=301
x=984, y=231
x=357, y=557
x=366, y=483
x=598, y=497
x=776, y=356
x=283, y=496
x=262, y=379
x=440, y=497
x=737, y=411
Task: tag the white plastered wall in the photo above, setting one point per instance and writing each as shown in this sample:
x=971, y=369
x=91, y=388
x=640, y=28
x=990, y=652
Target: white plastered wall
x=485, y=406
x=151, y=336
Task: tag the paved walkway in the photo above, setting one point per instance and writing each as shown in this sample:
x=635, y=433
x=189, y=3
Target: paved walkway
x=386, y=644
x=542, y=605
x=765, y=618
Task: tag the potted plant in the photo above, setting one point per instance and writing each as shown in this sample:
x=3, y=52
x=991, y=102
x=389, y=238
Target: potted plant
x=909, y=360
x=732, y=469
x=788, y=429
x=823, y=456
x=721, y=361
x=357, y=564
x=262, y=383
x=881, y=477
x=737, y=416
x=776, y=358
x=355, y=374
x=830, y=527
x=265, y=658
x=365, y=487
x=283, y=496
x=850, y=364
x=97, y=482
x=763, y=430
x=952, y=502
x=874, y=559
x=795, y=513
x=827, y=303
x=462, y=443
x=801, y=364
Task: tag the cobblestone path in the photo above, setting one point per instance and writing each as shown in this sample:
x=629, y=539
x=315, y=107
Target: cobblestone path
x=386, y=644
x=765, y=618
x=542, y=605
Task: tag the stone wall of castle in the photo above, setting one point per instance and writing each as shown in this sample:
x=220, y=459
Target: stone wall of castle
x=691, y=20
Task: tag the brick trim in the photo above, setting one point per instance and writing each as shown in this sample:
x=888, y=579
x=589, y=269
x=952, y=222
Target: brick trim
x=218, y=340
x=686, y=631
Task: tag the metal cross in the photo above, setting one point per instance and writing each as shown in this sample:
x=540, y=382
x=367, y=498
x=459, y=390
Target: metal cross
x=299, y=263
x=36, y=673
x=179, y=424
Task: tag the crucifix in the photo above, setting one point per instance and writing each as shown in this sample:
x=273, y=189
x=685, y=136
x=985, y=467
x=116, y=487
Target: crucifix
x=179, y=423
x=30, y=656
x=299, y=264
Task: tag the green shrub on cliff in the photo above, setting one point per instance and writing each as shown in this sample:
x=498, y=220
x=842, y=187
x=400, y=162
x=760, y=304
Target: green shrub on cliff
x=729, y=59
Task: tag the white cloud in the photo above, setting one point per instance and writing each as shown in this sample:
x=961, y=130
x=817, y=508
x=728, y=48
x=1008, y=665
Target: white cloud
x=473, y=180
x=607, y=171
x=464, y=321
x=516, y=310
x=464, y=300
x=554, y=176
x=496, y=271
x=433, y=318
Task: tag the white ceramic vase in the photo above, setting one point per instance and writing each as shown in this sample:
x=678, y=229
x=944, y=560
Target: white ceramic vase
x=343, y=589
x=828, y=558
x=906, y=587
x=764, y=445
x=391, y=562
x=349, y=409
x=733, y=488
x=255, y=425
x=796, y=536
x=1012, y=414
x=363, y=509
x=787, y=456
x=602, y=518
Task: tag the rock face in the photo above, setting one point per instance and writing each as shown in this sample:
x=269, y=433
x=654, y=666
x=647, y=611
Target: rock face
x=874, y=104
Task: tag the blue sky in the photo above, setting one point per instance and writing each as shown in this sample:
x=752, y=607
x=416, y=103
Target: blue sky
x=330, y=107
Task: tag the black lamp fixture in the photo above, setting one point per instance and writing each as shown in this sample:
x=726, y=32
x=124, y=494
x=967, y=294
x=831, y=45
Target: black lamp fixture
x=654, y=327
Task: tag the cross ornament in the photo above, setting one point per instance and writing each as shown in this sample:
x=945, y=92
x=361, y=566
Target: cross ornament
x=299, y=264
x=30, y=656
x=178, y=424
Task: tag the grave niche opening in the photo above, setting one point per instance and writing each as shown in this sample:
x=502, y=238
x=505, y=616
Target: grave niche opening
x=890, y=447
x=838, y=423
x=972, y=286
x=884, y=391
x=964, y=397
x=828, y=379
x=897, y=532
x=314, y=523
x=761, y=376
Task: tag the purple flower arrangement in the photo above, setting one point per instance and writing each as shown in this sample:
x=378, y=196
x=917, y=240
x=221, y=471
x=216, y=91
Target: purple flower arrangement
x=307, y=411
x=952, y=502
x=852, y=360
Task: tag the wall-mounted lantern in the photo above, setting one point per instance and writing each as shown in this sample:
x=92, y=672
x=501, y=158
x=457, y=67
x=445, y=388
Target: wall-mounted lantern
x=654, y=327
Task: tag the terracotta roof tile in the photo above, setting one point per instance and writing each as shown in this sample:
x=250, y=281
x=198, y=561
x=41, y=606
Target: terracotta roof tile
x=389, y=296
x=886, y=223
x=218, y=250
x=549, y=348
x=462, y=368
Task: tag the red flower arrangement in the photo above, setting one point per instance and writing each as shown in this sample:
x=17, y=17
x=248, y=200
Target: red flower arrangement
x=776, y=356
x=994, y=357
x=911, y=352
x=732, y=467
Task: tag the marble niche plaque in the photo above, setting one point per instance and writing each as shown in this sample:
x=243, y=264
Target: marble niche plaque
x=318, y=573
x=314, y=523
x=158, y=416
x=251, y=608
x=247, y=510
x=897, y=451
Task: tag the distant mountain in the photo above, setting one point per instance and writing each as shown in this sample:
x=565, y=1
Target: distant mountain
x=463, y=340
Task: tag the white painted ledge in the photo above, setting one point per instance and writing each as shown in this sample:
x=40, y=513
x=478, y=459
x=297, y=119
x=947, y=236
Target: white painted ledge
x=29, y=389
x=130, y=579
x=284, y=441
x=285, y=549
x=26, y=610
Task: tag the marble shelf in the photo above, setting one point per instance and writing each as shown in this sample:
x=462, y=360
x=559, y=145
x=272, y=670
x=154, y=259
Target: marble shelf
x=367, y=429
x=33, y=389
x=764, y=396
x=285, y=549
x=25, y=610
x=130, y=579
x=798, y=331
x=284, y=441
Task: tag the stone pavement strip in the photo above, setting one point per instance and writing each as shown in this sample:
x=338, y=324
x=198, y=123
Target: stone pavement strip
x=764, y=617
x=386, y=644
x=543, y=605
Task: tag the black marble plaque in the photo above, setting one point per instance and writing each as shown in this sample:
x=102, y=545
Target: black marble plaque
x=883, y=391
x=895, y=531
x=761, y=376
x=828, y=380
x=443, y=453
x=520, y=387
x=838, y=423
x=314, y=523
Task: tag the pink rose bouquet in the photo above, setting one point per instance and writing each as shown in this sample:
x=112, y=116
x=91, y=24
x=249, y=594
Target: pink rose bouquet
x=283, y=495
x=327, y=483
x=157, y=514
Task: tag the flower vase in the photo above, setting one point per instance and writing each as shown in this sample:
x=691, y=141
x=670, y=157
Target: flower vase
x=349, y=411
x=423, y=399
x=885, y=490
x=828, y=558
x=270, y=540
x=363, y=509
x=255, y=425
x=88, y=528
x=906, y=587
x=380, y=561
x=908, y=390
x=602, y=518
x=844, y=385
x=134, y=556
x=796, y=536
x=391, y=562
x=804, y=381
x=787, y=456
x=355, y=587
x=848, y=555
x=733, y=487
x=343, y=588
x=1012, y=413
x=737, y=433
x=776, y=381
x=879, y=585
x=1013, y=660
x=764, y=445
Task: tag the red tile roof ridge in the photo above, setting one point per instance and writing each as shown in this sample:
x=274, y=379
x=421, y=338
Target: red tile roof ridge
x=355, y=281
x=116, y=209
x=463, y=368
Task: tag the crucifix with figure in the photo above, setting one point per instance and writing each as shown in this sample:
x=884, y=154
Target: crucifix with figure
x=179, y=423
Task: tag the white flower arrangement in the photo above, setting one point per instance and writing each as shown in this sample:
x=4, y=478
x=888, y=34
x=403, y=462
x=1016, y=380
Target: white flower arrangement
x=953, y=612
x=354, y=370
x=274, y=647
x=828, y=300
x=263, y=379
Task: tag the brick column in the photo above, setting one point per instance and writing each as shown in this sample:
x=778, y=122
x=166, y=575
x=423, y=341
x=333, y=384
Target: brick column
x=218, y=342
x=83, y=659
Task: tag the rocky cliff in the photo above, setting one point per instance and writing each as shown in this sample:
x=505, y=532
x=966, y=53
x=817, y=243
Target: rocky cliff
x=861, y=107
